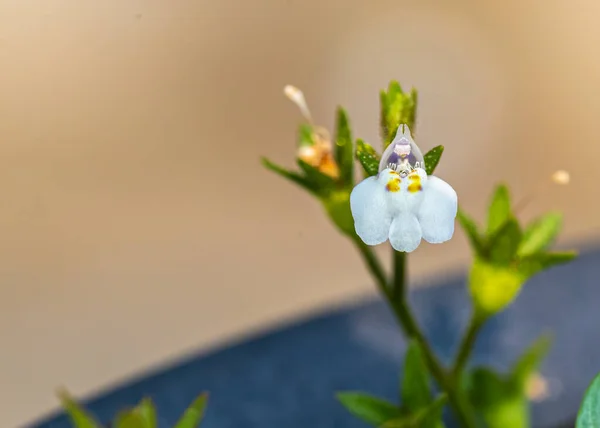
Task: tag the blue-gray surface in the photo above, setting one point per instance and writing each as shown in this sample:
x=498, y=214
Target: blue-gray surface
x=287, y=378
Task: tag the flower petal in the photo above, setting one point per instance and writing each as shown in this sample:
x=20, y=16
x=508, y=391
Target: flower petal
x=405, y=232
x=438, y=211
x=369, y=206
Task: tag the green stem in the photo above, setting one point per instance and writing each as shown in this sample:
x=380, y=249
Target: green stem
x=466, y=344
x=396, y=297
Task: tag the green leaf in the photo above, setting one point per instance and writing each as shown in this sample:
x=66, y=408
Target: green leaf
x=396, y=107
x=194, y=413
x=472, y=231
x=528, y=363
x=504, y=242
x=497, y=403
x=536, y=263
x=432, y=158
x=493, y=287
x=589, y=412
x=292, y=176
x=372, y=410
x=344, y=152
x=305, y=135
x=427, y=417
x=316, y=178
x=337, y=205
x=539, y=234
x=416, y=393
x=384, y=113
x=486, y=387
x=130, y=419
x=148, y=411
x=368, y=158
x=78, y=415
x=499, y=210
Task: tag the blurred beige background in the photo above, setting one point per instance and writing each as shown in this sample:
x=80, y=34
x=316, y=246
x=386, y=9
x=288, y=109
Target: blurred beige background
x=136, y=223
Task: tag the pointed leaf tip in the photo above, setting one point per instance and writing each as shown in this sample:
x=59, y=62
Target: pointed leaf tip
x=370, y=409
x=368, y=158
x=432, y=158
x=194, y=413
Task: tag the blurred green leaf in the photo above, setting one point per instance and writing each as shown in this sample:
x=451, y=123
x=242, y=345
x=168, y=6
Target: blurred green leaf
x=429, y=416
x=372, y=410
x=538, y=262
x=396, y=107
x=472, y=231
x=316, y=178
x=493, y=287
x=148, y=411
x=499, y=211
x=539, y=234
x=504, y=242
x=344, y=152
x=78, y=415
x=432, y=158
x=529, y=362
x=589, y=412
x=194, y=413
x=130, y=419
x=305, y=135
x=415, y=388
x=496, y=402
x=383, y=115
x=337, y=205
x=292, y=176
x=368, y=158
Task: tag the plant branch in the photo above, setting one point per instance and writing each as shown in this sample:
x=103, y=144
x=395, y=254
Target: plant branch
x=396, y=297
x=467, y=343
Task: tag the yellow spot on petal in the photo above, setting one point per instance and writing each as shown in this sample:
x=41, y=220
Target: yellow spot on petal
x=393, y=185
x=415, y=183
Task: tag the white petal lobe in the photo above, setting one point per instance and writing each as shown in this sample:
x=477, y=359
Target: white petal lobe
x=405, y=232
x=438, y=211
x=369, y=207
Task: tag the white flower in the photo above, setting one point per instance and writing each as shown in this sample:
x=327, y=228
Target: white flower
x=402, y=203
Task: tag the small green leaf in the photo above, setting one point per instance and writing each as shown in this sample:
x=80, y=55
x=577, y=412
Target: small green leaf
x=194, y=413
x=344, y=152
x=292, y=176
x=337, y=205
x=497, y=403
x=539, y=234
x=432, y=158
x=499, y=210
x=130, y=419
x=372, y=410
x=368, y=158
x=429, y=416
x=78, y=415
x=384, y=113
x=396, y=107
x=472, y=231
x=148, y=411
x=504, y=242
x=416, y=393
x=589, y=412
x=493, y=287
x=316, y=178
x=305, y=135
x=538, y=262
x=530, y=361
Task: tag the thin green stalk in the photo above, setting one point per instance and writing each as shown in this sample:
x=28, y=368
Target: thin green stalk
x=466, y=345
x=396, y=297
